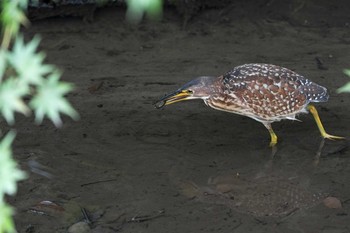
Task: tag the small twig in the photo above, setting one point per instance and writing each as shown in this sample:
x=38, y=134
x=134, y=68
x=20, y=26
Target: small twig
x=292, y=212
x=116, y=219
x=287, y=215
x=39, y=169
x=86, y=216
x=346, y=201
x=260, y=221
x=97, y=182
x=146, y=217
x=238, y=225
x=320, y=64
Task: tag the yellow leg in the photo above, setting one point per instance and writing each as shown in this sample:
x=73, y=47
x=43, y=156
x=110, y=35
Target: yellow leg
x=273, y=141
x=323, y=132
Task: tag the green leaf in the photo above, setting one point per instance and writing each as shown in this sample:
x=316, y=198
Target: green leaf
x=11, y=94
x=12, y=15
x=346, y=87
x=50, y=100
x=137, y=8
x=29, y=64
x=6, y=222
x=347, y=72
x=8, y=167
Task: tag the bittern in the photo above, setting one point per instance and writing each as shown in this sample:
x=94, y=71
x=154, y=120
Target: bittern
x=264, y=92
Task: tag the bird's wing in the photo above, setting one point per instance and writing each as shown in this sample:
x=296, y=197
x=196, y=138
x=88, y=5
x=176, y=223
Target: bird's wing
x=273, y=78
x=266, y=90
x=241, y=76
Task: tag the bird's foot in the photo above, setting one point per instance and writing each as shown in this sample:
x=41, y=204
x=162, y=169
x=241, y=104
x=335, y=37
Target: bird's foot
x=273, y=141
x=332, y=137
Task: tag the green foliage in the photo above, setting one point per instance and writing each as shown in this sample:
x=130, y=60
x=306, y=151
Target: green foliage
x=9, y=167
x=52, y=91
x=346, y=87
x=12, y=16
x=28, y=74
x=137, y=9
x=8, y=184
x=11, y=95
x=6, y=221
x=23, y=75
x=27, y=63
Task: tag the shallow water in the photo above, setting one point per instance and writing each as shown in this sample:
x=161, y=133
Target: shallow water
x=125, y=159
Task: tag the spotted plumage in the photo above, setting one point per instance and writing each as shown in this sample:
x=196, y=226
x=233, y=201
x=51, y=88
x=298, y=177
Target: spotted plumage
x=264, y=92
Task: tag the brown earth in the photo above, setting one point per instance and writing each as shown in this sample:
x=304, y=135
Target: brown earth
x=129, y=165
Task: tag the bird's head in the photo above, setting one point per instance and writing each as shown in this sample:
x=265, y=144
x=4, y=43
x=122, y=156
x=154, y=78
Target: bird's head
x=199, y=88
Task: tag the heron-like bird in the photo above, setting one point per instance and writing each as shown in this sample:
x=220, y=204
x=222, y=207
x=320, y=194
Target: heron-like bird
x=264, y=92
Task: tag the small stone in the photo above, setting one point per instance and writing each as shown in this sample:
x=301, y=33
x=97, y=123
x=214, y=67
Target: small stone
x=332, y=202
x=79, y=227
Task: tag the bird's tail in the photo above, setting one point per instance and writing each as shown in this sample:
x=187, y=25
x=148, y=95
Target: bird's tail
x=315, y=93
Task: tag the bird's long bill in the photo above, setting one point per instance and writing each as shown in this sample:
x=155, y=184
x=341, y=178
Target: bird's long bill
x=173, y=98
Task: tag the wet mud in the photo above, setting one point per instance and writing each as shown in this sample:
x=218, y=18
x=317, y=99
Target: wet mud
x=186, y=168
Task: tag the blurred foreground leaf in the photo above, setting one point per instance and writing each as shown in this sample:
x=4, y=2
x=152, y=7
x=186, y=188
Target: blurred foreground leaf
x=137, y=9
x=6, y=221
x=12, y=16
x=346, y=87
x=9, y=172
x=23, y=74
x=27, y=63
x=50, y=100
x=11, y=94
